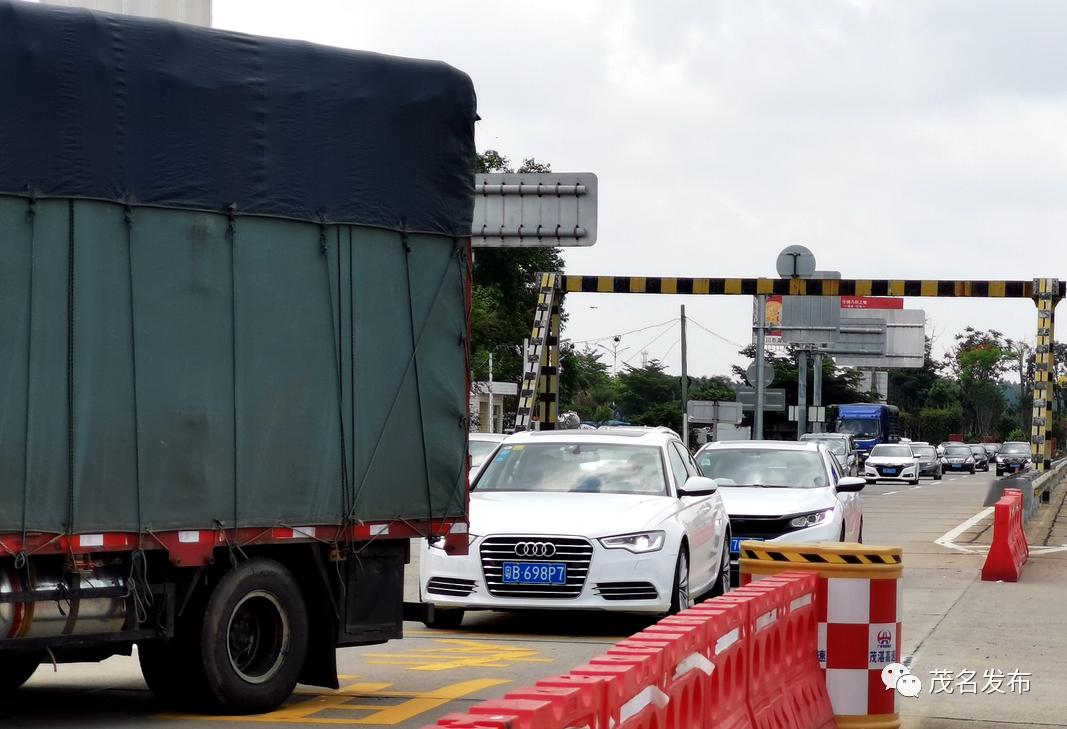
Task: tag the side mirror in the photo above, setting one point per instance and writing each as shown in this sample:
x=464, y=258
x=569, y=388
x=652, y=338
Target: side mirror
x=699, y=486
x=916, y=456
x=851, y=484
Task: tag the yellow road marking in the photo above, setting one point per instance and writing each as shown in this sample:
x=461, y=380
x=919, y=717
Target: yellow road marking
x=457, y=653
x=346, y=699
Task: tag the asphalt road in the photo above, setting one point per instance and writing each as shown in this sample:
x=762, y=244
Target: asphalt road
x=410, y=683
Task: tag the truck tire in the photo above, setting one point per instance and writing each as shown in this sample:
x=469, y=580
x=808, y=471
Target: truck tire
x=16, y=669
x=254, y=637
x=174, y=672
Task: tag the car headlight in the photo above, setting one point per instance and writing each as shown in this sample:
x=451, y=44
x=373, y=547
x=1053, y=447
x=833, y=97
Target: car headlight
x=638, y=543
x=970, y=459
x=809, y=520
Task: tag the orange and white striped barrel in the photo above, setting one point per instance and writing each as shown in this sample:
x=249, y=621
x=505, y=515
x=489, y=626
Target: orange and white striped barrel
x=860, y=610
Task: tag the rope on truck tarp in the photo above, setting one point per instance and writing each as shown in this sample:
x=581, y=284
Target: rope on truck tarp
x=31, y=219
x=231, y=236
x=463, y=258
x=70, y=367
x=350, y=494
x=138, y=588
x=336, y=319
x=415, y=358
x=400, y=387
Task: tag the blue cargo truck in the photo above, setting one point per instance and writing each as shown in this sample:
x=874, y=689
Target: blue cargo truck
x=869, y=424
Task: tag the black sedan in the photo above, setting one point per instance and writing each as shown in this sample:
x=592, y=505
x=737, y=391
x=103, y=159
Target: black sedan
x=929, y=462
x=981, y=458
x=1013, y=457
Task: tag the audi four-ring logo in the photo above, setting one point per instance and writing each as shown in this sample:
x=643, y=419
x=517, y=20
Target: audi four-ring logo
x=535, y=549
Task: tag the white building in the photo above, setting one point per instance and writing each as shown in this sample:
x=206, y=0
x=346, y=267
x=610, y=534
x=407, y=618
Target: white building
x=480, y=405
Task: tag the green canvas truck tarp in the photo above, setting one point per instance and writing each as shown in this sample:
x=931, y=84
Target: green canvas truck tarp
x=274, y=332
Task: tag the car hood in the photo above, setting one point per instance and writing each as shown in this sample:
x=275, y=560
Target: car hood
x=593, y=515
x=761, y=501
x=890, y=461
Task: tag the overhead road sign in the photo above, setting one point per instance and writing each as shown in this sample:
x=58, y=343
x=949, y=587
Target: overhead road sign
x=713, y=411
x=801, y=287
x=905, y=338
x=810, y=320
x=538, y=210
x=774, y=399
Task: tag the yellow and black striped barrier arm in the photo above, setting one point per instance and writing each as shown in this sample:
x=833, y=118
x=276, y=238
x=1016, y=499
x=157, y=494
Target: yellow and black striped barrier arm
x=802, y=287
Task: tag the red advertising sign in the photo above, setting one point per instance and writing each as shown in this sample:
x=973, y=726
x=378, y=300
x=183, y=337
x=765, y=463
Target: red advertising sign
x=871, y=302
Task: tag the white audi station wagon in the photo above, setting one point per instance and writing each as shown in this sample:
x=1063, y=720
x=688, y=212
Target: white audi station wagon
x=617, y=519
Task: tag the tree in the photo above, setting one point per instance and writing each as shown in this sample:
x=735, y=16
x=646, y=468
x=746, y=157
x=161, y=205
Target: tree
x=980, y=359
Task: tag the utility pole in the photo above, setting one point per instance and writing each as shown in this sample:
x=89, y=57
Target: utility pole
x=492, y=404
x=816, y=391
x=685, y=386
x=802, y=393
x=761, y=318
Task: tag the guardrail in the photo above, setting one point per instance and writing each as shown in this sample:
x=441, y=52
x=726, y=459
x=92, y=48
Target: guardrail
x=1049, y=480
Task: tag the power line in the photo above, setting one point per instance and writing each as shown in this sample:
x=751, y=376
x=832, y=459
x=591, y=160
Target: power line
x=622, y=334
x=717, y=336
x=654, y=340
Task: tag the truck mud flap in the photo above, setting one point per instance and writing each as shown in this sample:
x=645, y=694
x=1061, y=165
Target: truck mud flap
x=374, y=595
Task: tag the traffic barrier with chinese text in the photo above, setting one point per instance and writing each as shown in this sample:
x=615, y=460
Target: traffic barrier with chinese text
x=858, y=611
x=742, y=661
x=1009, y=550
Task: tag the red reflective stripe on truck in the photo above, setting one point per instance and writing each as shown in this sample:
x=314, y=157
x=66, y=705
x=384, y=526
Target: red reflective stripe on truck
x=192, y=546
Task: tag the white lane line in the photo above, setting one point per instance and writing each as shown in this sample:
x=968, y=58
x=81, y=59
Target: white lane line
x=948, y=539
x=890, y=493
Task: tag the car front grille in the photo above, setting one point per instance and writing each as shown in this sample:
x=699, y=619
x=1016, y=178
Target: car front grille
x=760, y=527
x=453, y=587
x=896, y=470
x=626, y=590
x=574, y=552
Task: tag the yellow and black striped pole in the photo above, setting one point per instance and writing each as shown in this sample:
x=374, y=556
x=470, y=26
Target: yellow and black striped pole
x=1045, y=296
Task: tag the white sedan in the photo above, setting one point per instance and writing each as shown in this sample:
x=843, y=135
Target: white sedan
x=784, y=492
x=584, y=519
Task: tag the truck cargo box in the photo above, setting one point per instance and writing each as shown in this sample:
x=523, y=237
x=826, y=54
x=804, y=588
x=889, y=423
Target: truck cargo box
x=233, y=279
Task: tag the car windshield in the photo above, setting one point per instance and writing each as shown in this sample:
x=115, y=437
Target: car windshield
x=927, y=451
x=1016, y=449
x=863, y=427
x=480, y=450
x=891, y=451
x=575, y=467
x=764, y=467
x=836, y=445
x=957, y=451
x=978, y=450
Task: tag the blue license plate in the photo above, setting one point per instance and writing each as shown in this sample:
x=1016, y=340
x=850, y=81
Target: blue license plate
x=889, y=471
x=535, y=573
x=735, y=543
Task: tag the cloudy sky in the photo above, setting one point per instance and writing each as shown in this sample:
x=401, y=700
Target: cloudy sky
x=896, y=139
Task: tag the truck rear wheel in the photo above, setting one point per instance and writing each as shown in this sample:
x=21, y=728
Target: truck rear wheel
x=254, y=637
x=16, y=669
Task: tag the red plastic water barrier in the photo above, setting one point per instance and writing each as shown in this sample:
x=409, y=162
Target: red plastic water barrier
x=1009, y=550
x=805, y=685
x=741, y=661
